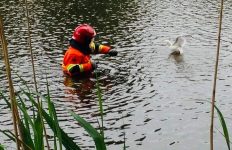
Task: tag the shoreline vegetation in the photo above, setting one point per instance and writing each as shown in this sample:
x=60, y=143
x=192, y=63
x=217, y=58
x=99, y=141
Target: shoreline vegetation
x=31, y=120
x=29, y=130
x=31, y=127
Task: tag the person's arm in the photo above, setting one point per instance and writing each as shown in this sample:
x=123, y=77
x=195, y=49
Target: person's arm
x=102, y=49
x=73, y=67
x=79, y=68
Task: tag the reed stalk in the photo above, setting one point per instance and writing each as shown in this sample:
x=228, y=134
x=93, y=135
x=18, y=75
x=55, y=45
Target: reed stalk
x=15, y=114
x=31, y=52
x=215, y=77
x=100, y=102
x=124, y=135
x=33, y=70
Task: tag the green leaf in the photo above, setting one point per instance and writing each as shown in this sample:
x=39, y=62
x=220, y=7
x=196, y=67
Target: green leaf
x=52, y=113
x=26, y=136
x=12, y=137
x=67, y=142
x=9, y=134
x=1, y=147
x=25, y=118
x=7, y=101
x=224, y=127
x=24, y=82
x=97, y=137
x=56, y=123
x=39, y=135
x=34, y=125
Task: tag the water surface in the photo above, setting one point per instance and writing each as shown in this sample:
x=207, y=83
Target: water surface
x=159, y=103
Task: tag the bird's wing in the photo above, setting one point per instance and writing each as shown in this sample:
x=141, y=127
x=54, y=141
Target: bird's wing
x=168, y=42
x=179, y=41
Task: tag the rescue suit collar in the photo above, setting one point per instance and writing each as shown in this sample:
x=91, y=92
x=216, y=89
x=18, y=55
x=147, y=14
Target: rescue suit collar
x=84, y=49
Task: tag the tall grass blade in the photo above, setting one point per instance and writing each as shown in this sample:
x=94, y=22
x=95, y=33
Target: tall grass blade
x=124, y=135
x=67, y=142
x=215, y=77
x=5, y=99
x=57, y=127
x=36, y=125
x=100, y=107
x=15, y=114
x=39, y=128
x=124, y=140
x=52, y=113
x=9, y=134
x=32, y=124
x=26, y=137
x=98, y=138
x=33, y=70
x=28, y=89
x=25, y=131
x=12, y=137
x=1, y=147
x=26, y=122
x=24, y=83
x=224, y=127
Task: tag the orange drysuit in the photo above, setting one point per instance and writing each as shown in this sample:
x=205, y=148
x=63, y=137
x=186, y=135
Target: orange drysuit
x=77, y=60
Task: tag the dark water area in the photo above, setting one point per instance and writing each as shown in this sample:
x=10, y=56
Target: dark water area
x=159, y=102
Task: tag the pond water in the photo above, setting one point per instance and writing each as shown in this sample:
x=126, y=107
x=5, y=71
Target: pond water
x=159, y=102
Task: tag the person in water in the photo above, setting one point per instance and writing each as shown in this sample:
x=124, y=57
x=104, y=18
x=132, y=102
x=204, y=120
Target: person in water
x=77, y=60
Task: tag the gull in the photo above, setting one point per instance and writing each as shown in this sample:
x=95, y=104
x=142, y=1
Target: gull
x=177, y=46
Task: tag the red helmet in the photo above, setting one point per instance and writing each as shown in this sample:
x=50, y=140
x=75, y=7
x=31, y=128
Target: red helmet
x=83, y=34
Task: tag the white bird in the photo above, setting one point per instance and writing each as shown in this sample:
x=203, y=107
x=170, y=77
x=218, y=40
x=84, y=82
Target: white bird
x=177, y=46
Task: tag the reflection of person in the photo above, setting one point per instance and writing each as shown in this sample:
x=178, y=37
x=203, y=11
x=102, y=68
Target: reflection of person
x=77, y=61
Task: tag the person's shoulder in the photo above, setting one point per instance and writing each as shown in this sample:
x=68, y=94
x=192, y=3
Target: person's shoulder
x=70, y=48
x=74, y=51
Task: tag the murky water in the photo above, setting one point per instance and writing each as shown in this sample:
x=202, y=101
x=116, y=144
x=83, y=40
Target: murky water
x=160, y=103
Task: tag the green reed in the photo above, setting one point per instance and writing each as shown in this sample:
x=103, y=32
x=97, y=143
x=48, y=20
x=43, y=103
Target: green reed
x=215, y=77
x=100, y=102
x=28, y=128
x=32, y=126
x=33, y=67
x=97, y=137
x=15, y=114
x=52, y=113
x=124, y=136
x=1, y=147
x=224, y=127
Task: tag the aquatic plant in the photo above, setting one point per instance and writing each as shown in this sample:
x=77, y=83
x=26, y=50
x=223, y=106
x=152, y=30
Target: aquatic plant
x=29, y=129
x=224, y=127
x=32, y=128
x=33, y=70
x=100, y=106
x=98, y=138
x=15, y=114
x=215, y=77
x=1, y=147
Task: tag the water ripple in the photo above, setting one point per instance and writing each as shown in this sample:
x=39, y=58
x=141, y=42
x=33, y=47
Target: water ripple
x=145, y=94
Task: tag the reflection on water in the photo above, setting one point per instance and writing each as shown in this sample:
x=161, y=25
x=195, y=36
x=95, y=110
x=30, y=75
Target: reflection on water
x=158, y=101
x=177, y=58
